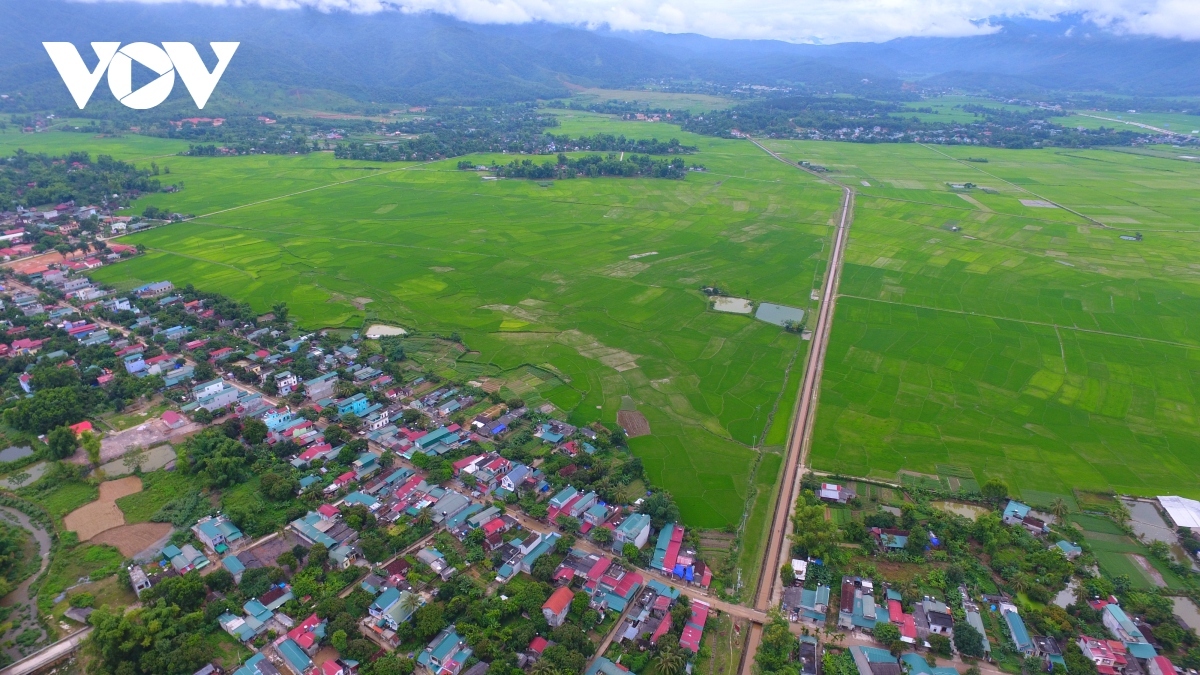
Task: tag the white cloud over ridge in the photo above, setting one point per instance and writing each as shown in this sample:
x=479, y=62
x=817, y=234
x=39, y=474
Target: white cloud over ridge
x=823, y=21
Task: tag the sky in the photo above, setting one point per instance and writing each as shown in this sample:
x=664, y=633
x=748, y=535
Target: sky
x=818, y=21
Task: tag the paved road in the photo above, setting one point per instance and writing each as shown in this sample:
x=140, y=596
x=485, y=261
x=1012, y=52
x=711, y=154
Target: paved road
x=50, y=655
x=800, y=435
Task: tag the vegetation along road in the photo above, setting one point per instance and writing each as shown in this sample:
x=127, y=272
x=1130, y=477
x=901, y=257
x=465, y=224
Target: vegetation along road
x=777, y=550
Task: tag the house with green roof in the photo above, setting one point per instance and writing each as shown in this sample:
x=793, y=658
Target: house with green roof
x=294, y=656
x=217, y=533
x=1016, y=626
x=446, y=653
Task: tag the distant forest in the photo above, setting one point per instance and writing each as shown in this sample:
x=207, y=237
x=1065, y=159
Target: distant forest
x=37, y=179
x=590, y=166
x=865, y=121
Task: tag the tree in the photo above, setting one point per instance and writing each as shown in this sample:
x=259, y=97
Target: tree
x=669, y=661
x=661, y=509
x=787, y=575
x=994, y=490
x=888, y=635
x=567, y=523
x=967, y=640
x=602, y=535
x=220, y=580
x=812, y=534
x=62, y=442
x=940, y=645
x=338, y=640
x=278, y=488
x=91, y=445
x=1059, y=508
x=254, y=431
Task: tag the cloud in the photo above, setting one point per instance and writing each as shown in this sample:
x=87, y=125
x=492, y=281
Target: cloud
x=822, y=21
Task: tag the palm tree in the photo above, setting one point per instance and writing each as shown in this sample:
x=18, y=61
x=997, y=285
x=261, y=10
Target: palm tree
x=1059, y=508
x=670, y=661
x=543, y=667
x=409, y=603
x=424, y=518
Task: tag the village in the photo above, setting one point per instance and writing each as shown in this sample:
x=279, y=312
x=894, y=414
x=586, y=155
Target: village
x=413, y=522
x=404, y=489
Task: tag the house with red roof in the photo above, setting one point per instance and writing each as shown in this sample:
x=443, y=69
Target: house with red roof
x=538, y=645
x=328, y=511
x=308, y=634
x=556, y=608
x=907, y=623
x=173, y=420
x=694, y=630
x=341, y=482
x=82, y=427
x=465, y=462
x=1161, y=665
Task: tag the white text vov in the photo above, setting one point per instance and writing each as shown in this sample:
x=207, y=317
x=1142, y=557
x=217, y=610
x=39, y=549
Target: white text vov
x=167, y=60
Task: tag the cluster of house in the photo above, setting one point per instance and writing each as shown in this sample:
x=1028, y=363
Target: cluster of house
x=1129, y=652
x=627, y=528
x=394, y=603
x=674, y=559
x=447, y=653
x=62, y=218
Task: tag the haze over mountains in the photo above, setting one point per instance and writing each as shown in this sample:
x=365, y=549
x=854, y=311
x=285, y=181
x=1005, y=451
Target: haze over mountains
x=421, y=58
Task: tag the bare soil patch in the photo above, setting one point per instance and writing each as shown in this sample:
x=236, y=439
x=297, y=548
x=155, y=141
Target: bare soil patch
x=90, y=520
x=634, y=423
x=1149, y=570
x=132, y=539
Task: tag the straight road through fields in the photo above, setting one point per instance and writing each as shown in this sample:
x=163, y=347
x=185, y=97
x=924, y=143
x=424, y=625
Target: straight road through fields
x=800, y=434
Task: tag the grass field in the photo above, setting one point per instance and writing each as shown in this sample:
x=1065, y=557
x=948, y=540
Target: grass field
x=536, y=278
x=1032, y=344
x=158, y=488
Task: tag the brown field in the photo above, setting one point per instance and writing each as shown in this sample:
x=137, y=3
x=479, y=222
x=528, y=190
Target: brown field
x=90, y=520
x=633, y=422
x=132, y=539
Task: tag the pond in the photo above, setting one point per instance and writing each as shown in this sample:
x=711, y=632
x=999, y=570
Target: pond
x=779, y=315
x=380, y=330
x=13, y=453
x=723, y=303
x=1147, y=523
x=970, y=511
x=1186, y=609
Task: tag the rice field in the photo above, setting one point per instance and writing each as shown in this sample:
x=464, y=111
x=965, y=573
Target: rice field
x=546, y=282
x=1026, y=343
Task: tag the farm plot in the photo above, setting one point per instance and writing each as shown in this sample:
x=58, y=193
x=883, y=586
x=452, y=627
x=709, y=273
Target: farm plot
x=1015, y=337
x=103, y=514
x=531, y=274
x=133, y=539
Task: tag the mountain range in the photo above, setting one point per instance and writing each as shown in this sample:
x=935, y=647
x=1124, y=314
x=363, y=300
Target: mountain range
x=391, y=57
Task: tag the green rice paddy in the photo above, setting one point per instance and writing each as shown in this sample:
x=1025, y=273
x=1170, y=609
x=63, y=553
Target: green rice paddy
x=1017, y=341
x=537, y=279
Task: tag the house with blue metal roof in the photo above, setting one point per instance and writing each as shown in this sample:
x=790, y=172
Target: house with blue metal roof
x=257, y=665
x=635, y=529
x=1014, y=512
x=446, y=653
x=1016, y=626
x=814, y=604
x=294, y=656
x=874, y=661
